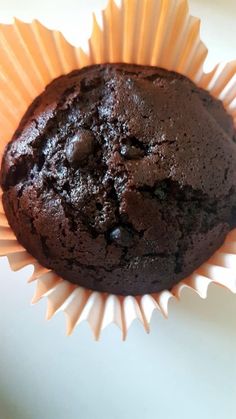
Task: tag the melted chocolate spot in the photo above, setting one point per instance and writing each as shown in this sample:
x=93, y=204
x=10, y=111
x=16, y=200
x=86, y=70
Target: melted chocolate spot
x=121, y=236
x=80, y=147
x=130, y=152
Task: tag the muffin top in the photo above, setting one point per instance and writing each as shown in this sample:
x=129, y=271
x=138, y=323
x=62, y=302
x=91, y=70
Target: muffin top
x=121, y=178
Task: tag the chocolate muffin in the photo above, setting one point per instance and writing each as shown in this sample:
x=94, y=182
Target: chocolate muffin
x=121, y=178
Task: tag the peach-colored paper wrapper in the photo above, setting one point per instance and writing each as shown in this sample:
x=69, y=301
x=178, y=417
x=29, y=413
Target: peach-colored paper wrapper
x=154, y=32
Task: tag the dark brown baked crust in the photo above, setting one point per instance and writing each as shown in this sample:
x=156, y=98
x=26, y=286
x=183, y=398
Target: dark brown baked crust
x=121, y=178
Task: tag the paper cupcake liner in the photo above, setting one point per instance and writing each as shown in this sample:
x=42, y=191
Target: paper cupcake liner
x=151, y=32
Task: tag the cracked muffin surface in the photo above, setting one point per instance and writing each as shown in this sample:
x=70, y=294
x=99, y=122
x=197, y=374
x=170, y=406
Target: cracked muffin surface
x=121, y=178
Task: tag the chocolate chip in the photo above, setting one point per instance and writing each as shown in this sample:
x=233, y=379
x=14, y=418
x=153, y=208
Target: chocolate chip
x=121, y=236
x=160, y=193
x=130, y=152
x=161, y=190
x=80, y=147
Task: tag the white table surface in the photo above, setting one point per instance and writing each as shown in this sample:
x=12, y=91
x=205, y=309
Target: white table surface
x=186, y=367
